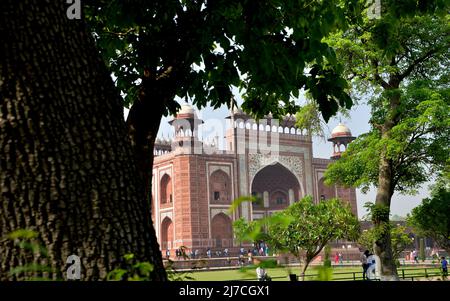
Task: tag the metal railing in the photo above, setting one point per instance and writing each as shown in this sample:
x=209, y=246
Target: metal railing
x=357, y=276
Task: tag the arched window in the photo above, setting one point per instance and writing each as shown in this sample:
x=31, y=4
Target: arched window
x=325, y=192
x=166, y=190
x=279, y=198
x=221, y=230
x=166, y=234
x=220, y=187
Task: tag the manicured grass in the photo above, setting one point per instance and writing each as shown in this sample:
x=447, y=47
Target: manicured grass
x=277, y=274
x=281, y=274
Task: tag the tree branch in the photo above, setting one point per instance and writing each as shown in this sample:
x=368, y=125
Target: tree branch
x=418, y=61
x=377, y=76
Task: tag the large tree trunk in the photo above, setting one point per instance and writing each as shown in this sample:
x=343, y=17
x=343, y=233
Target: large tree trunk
x=67, y=169
x=382, y=246
x=143, y=124
x=144, y=119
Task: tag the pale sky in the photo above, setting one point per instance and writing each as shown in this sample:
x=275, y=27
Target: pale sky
x=215, y=122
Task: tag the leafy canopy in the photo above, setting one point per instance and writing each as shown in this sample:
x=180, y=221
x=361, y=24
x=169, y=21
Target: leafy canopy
x=199, y=50
x=418, y=146
x=303, y=228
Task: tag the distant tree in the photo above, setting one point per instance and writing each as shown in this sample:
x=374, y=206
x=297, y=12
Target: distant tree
x=402, y=61
x=432, y=217
x=397, y=218
x=305, y=228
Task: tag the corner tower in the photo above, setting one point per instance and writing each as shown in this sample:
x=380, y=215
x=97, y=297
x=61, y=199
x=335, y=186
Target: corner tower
x=341, y=136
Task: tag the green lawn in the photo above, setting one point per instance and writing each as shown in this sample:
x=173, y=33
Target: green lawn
x=275, y=273
x=281, y=274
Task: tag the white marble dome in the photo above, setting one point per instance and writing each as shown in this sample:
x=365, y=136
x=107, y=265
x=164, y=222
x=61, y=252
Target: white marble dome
x=341, y=130
x=186, y=109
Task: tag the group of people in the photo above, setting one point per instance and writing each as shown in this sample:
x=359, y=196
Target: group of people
x=338, y=258
x=261, y=249
x=218, y=253
x=181, y=254
x=367, y=260
x=414, y=256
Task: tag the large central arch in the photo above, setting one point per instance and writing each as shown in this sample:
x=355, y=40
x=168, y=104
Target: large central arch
x=276, y=186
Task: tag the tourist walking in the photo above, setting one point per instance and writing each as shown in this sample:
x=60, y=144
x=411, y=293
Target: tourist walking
x=364, y=263
x=444, y=267
x=415, y=257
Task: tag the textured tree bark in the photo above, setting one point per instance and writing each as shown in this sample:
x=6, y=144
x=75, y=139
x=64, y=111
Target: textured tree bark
x=144, y=119
x=67, y=168
x=143, y=124
x=382, y=246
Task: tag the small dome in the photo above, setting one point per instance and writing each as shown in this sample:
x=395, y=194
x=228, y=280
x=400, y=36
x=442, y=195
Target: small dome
x=186, y=109
x=341, y=131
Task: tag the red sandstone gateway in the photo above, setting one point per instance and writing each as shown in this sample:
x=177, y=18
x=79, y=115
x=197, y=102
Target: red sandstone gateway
x=194, y=183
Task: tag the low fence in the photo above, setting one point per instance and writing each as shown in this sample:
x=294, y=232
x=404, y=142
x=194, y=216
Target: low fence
x=405, y=274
